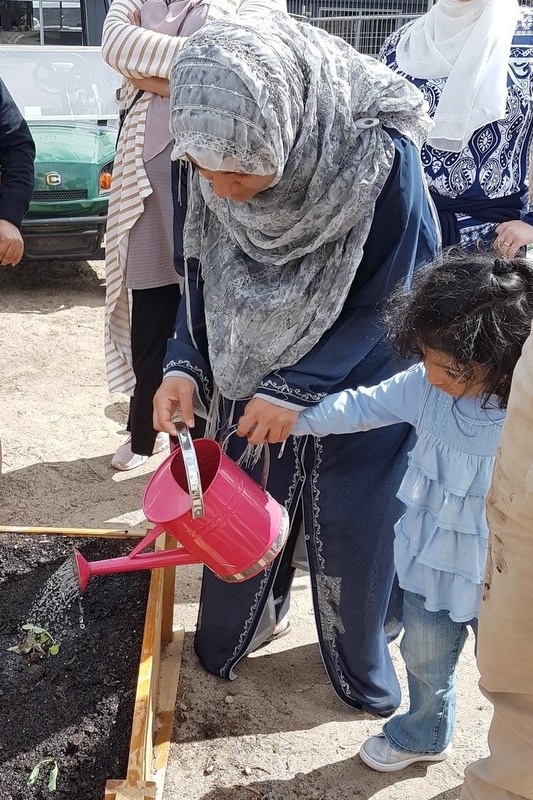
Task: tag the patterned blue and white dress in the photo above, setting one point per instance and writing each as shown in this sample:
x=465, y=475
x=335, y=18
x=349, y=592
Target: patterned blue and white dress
x=497, y=160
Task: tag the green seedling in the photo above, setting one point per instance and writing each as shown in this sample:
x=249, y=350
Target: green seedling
x=52, y=773
x=37, y=640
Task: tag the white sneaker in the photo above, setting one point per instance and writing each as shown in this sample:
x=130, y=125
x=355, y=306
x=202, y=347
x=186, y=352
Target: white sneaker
x=125, y=458
x=378, y=754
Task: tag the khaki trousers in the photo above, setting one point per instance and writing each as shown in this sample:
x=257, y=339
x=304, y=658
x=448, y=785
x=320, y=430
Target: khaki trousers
x=505, y=642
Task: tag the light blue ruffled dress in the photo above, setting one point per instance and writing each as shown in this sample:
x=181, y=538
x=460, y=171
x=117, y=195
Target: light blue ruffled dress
x=441, y=540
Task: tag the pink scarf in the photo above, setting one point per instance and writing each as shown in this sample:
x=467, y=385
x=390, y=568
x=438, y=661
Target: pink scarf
x=176, y=18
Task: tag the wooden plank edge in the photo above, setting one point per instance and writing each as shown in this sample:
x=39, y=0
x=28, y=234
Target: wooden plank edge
x=105, y=533
x=169, y=676
x=139, y=762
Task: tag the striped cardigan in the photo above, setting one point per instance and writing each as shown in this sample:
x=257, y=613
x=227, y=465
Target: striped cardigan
x=134, y=52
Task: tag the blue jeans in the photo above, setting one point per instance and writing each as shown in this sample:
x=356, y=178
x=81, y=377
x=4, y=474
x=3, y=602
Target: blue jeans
x=430, y=647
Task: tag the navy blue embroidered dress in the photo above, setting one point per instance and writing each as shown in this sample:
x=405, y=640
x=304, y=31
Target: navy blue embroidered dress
x=342, y=489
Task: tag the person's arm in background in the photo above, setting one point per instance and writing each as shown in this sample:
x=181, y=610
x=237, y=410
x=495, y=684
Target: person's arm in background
x=17, y=154
x=133, y=51
x=159, y=86
x=136, y=52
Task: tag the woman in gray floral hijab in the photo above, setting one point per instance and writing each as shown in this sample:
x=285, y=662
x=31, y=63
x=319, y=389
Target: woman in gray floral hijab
x=306, y=206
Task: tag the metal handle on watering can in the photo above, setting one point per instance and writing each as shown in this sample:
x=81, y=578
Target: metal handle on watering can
x=266, y=459
x=192, y=471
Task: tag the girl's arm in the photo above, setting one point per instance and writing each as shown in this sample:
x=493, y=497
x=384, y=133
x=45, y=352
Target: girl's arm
x=395, y=400
x=133, y=51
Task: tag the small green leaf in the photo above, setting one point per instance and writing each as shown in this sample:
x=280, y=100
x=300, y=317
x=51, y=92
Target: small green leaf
x=34, y=774
x=33, y=628
x=53, y=649
x=52, y=777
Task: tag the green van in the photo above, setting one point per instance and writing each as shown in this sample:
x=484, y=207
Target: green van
x=69, y=98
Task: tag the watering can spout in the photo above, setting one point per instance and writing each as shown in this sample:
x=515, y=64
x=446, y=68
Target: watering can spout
x=83, y=570
x=165, y=558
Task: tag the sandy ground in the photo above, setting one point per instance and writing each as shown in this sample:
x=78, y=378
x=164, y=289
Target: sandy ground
x=276, y=733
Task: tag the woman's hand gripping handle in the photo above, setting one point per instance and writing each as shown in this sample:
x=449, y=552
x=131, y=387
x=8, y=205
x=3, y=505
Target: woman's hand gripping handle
x=174, y=395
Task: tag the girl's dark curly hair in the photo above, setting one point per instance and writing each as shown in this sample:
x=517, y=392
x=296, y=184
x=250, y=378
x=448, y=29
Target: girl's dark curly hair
x=476, y=307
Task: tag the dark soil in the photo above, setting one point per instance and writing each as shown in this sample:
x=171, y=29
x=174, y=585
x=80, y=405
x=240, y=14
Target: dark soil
x=74, y=707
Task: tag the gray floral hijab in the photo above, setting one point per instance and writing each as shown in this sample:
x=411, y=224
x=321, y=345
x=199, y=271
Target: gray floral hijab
x=272, y=96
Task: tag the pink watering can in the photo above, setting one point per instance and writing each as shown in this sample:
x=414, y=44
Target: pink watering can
x=221, y=517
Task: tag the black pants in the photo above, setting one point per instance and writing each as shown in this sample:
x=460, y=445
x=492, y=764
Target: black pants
x=152, y=323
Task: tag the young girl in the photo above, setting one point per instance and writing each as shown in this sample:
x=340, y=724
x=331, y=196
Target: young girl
x=466, y=320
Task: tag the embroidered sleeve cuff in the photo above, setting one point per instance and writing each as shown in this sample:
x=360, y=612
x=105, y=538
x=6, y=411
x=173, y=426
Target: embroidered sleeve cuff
x=275, y=389
x=185, y=369
x=277, y=401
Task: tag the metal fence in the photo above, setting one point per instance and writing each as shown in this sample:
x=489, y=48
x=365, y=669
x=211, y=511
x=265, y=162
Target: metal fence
x=317, y=8
x=366, y=33
x=365, y=24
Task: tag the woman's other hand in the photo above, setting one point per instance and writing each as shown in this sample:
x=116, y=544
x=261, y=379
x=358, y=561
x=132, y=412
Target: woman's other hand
x=266, y=422
x=511, y=236
x=174, y=394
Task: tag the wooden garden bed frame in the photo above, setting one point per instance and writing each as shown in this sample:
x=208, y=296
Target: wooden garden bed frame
x=158, y=674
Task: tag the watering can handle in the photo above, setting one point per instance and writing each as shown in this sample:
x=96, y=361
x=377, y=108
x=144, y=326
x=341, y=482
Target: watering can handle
x=266, y=460
x=192, y=471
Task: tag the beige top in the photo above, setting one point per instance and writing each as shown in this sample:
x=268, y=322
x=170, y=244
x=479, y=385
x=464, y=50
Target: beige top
x=137, y=52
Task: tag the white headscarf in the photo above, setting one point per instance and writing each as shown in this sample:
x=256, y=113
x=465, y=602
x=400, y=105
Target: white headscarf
x=268, y=96
x=468, y=42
